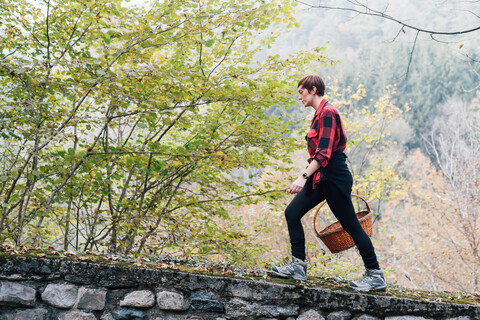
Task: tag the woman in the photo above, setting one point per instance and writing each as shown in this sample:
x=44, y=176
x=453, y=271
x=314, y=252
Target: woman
x=327, y=177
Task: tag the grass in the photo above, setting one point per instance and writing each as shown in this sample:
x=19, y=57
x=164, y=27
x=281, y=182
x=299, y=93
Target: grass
x=223, y=269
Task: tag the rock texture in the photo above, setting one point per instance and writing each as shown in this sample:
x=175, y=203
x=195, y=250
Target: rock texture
x=31, y=314
x=91, y=299
x=139, y=299
x=172, y=301
x=311, y=315
x=43, y=289
x=77, y=315
x=14, y=294
x=61, y=296
x=206, y=301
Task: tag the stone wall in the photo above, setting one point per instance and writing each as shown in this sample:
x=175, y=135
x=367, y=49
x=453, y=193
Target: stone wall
x=38, y=289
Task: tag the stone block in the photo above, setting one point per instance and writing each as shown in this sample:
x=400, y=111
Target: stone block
x=107, y=316
x=91, y=299
x=406, y=318
x=77, y=315
x=118, y=284
x=61, y=296
x=169, y=300
x=241, y=308
x=138, y=299
x=12, y=277
x=77, y=279
x=245, y=289
x=339, y=315
x=206, y=301
x=7, y=316
x=310, y=315
x=32, y=314
x=366, y=317
x=45, y=270
x=47, y=277
x=16, y=295
x=127, y=314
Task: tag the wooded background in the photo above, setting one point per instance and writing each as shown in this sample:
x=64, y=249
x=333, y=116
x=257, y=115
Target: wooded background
x=172, y=127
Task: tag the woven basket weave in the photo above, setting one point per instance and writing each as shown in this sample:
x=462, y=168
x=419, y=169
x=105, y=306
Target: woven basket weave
x=334, y=237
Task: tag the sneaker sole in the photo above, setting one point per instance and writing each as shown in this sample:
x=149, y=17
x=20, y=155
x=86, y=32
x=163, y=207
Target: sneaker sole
x=287, y=276
x=366, y=289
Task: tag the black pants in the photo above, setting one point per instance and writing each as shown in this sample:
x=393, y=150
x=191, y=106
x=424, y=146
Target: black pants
x=343, y=210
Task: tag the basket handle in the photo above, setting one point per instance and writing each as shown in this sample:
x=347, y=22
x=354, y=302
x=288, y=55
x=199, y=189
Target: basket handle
x=323, y=203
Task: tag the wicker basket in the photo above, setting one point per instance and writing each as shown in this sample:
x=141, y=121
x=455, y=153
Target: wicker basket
x=334, y=237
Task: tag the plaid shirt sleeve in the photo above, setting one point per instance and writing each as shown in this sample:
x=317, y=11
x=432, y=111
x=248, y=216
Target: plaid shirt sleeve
x=327, y=127
x=325, y=137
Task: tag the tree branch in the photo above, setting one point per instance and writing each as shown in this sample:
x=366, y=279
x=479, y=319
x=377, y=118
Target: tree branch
x=411, y=55
x=371, y=12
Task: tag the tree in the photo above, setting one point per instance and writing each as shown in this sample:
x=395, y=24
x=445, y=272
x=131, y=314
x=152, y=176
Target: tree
x=120, y=125
x=365, y=8
x=454, y=142
x=434, y=228
x=434, y=77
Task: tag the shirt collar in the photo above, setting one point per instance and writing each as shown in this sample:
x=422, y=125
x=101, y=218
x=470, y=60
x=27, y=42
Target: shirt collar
x=321, y=106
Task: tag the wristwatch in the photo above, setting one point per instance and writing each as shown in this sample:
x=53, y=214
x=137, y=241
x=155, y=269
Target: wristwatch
x=305, y=175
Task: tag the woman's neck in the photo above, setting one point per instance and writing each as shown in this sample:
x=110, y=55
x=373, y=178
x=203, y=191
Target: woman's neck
x=316, y=102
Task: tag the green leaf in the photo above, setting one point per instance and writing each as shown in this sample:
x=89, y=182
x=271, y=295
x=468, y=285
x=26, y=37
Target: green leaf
x=209, y=43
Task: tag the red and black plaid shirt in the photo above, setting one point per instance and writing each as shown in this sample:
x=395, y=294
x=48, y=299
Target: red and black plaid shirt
x=326, y=136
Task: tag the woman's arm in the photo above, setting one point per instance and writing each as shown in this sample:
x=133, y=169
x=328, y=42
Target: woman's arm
x=327, y=128
x=300, y=182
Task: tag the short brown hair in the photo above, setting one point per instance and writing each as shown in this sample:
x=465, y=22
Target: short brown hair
x=313, y=80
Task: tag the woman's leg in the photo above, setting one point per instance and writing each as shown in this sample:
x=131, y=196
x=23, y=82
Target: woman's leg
x=344, y=211
x=300, y=205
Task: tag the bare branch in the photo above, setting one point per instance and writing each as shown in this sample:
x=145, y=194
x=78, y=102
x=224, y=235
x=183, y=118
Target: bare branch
x=371, y=12
x=411, y=55
x=398, y=33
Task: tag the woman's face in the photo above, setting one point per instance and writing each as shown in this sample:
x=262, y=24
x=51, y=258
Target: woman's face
x=306, y=97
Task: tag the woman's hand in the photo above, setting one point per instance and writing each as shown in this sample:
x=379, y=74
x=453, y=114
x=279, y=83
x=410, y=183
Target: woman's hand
x=297, y=185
